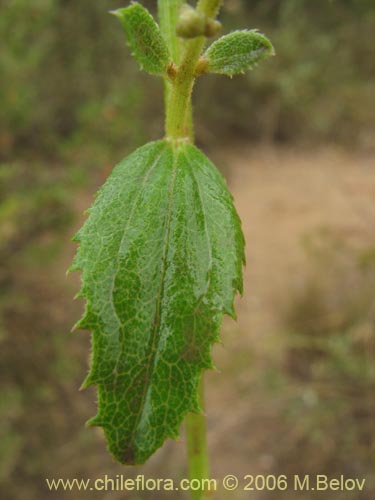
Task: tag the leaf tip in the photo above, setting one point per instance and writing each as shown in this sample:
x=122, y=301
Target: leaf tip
x=74, y=328
x=94, y=422
x=116, y=12
x=79, y=295
x=88, y=382
x=82, y=324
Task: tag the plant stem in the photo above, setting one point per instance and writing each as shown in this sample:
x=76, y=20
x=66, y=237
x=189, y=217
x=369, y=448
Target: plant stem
x=168, y=15
x=210, y=8
x=195, y=425
x=178, y=122
x=179, y=125
x=168, y=12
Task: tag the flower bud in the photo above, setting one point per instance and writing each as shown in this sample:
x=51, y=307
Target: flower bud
x=191, y=23
x=212, y=27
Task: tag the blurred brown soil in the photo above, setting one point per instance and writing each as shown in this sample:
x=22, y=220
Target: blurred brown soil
x=284, y=198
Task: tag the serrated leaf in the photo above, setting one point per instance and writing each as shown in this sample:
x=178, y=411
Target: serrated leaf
x=161, y=256
x=237, y=52
x=144, y=38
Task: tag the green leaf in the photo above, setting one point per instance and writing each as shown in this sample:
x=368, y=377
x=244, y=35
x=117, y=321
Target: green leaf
x=161, y=256
x=144, y=38
x=237, y=52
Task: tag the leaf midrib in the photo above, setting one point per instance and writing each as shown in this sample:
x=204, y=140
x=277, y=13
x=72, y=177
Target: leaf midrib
x=155, y=336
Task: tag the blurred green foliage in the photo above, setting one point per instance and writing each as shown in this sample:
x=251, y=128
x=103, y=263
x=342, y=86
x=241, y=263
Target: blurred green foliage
x=319, y=87
x=329, y=364
x=68, y=81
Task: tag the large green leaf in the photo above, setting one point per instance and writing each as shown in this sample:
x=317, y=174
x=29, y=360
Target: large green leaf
x=161, y=256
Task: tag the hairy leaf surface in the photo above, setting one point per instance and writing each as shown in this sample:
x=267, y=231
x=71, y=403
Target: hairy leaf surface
x=237, y=52
x=161, y=256
x=144, y=38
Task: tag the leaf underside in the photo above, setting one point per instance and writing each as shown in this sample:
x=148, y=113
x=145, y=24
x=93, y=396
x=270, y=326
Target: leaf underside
x=161, y=256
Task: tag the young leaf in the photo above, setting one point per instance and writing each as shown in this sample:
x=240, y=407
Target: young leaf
x=144, y=38
x=237, y=52
x=161, y=256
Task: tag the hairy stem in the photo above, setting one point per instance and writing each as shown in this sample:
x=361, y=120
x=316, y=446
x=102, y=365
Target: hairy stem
x=179, y=123
x=209, y=8
x=168, y=15
x=179, y=108
x=168, y=12
x=195, y=425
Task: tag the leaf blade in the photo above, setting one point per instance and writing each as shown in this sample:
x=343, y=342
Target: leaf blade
x=237, y=52
x=144, y=38
x=157, y=280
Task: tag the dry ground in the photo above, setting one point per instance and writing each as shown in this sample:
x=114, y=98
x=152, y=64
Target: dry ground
x=287, y=199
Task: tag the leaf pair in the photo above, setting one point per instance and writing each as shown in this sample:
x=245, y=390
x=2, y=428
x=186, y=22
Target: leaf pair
x=229, y=55
x=161, y=256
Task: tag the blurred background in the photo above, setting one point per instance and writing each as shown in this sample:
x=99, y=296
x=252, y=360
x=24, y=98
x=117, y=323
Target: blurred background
x=296, y=142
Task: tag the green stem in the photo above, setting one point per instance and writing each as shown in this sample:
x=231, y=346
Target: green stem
x=179, y=125
x=168, y=15
x=210, y=8
x=195, y=425
x=178, y=122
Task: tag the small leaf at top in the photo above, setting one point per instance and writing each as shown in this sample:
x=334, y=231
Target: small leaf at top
x=144, y=38
x=237, y=52
x=161, y=256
